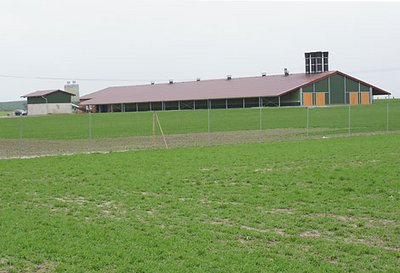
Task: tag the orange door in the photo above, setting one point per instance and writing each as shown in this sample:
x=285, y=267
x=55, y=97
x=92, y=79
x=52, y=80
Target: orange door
x=320, y=99
x=364, y=97
x=307, y=99
x=353, y=98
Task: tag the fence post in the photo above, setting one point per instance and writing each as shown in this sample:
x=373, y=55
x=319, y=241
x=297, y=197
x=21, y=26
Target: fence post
x=308, y=120
x=349, y=121
x=261, y=127
x=387, y=117
x=89, y=144
x=20, y=135
x=209, y=121
x=154, y=130
x=90, y=125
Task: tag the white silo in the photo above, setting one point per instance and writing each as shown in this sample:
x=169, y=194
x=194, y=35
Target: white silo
x=73, y=87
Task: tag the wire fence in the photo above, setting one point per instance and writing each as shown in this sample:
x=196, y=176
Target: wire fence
x=27, y=136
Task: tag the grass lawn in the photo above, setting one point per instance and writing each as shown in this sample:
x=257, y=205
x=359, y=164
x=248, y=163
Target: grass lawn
x=329, y=205
x=4, y=113
x=364, y=118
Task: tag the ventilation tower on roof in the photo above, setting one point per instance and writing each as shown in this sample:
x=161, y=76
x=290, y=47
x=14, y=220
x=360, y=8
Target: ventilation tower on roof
x=316, y=62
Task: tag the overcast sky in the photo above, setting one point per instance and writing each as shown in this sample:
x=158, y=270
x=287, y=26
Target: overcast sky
x=122, y=42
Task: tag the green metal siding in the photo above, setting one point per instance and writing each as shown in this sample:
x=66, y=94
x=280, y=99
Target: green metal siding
x=322, y=86
x=35, y=100
x=291, y=99
x=308, y=88
x=351, y=86
x=57, y=97
x=335, y=86
x=364, y=88
x=337, y=89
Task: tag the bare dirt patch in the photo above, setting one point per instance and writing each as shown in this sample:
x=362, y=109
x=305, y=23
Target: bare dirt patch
x=282, y=210
x=348, y=218
x=310, y=234
x=12, y=148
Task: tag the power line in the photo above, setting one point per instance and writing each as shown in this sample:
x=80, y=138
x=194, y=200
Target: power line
x=151, y=80
x=81, y=79
x=392, y=69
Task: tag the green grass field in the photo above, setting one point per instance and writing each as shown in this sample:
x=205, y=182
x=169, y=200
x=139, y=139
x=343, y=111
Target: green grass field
x=4, y=113
x=364, y=118
x=329, y=205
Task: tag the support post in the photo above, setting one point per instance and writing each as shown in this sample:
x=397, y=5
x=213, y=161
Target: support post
x=329, y=90
x=370, y=95
x=279, y=101
x=194, y=105
x=314, y=96
x=301, y=97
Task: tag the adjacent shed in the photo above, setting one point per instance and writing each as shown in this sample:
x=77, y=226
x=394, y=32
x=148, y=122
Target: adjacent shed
x=49, y=102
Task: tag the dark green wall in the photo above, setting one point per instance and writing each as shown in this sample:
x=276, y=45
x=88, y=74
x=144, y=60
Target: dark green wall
x=337, y=89
x=291, y=99
x=351, y=86
x=308, y=88
x=364, y=88
x=57, y=97
x=322, y=86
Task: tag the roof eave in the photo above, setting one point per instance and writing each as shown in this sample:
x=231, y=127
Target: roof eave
x=377, y=89
x=308, y=83
x=58, y=90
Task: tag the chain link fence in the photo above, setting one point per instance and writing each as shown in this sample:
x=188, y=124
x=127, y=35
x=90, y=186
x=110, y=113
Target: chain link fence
x=27, y=136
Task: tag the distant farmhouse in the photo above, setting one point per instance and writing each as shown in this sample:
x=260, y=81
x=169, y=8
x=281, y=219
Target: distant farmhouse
x=316, y=87
x=49, y=102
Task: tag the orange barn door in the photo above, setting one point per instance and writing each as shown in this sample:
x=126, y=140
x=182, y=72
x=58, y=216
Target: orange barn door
x=364, y=97
x=353, y=98
x=307, y=99
x=320, y=99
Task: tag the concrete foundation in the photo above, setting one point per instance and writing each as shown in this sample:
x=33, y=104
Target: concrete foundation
x=49, y=108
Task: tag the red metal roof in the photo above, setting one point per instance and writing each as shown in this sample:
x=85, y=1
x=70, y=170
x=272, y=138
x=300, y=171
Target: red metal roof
x=44, y=93
x=268, y=86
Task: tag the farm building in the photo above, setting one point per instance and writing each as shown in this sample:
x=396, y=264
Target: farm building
x=316, y=87
x=49, y=102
